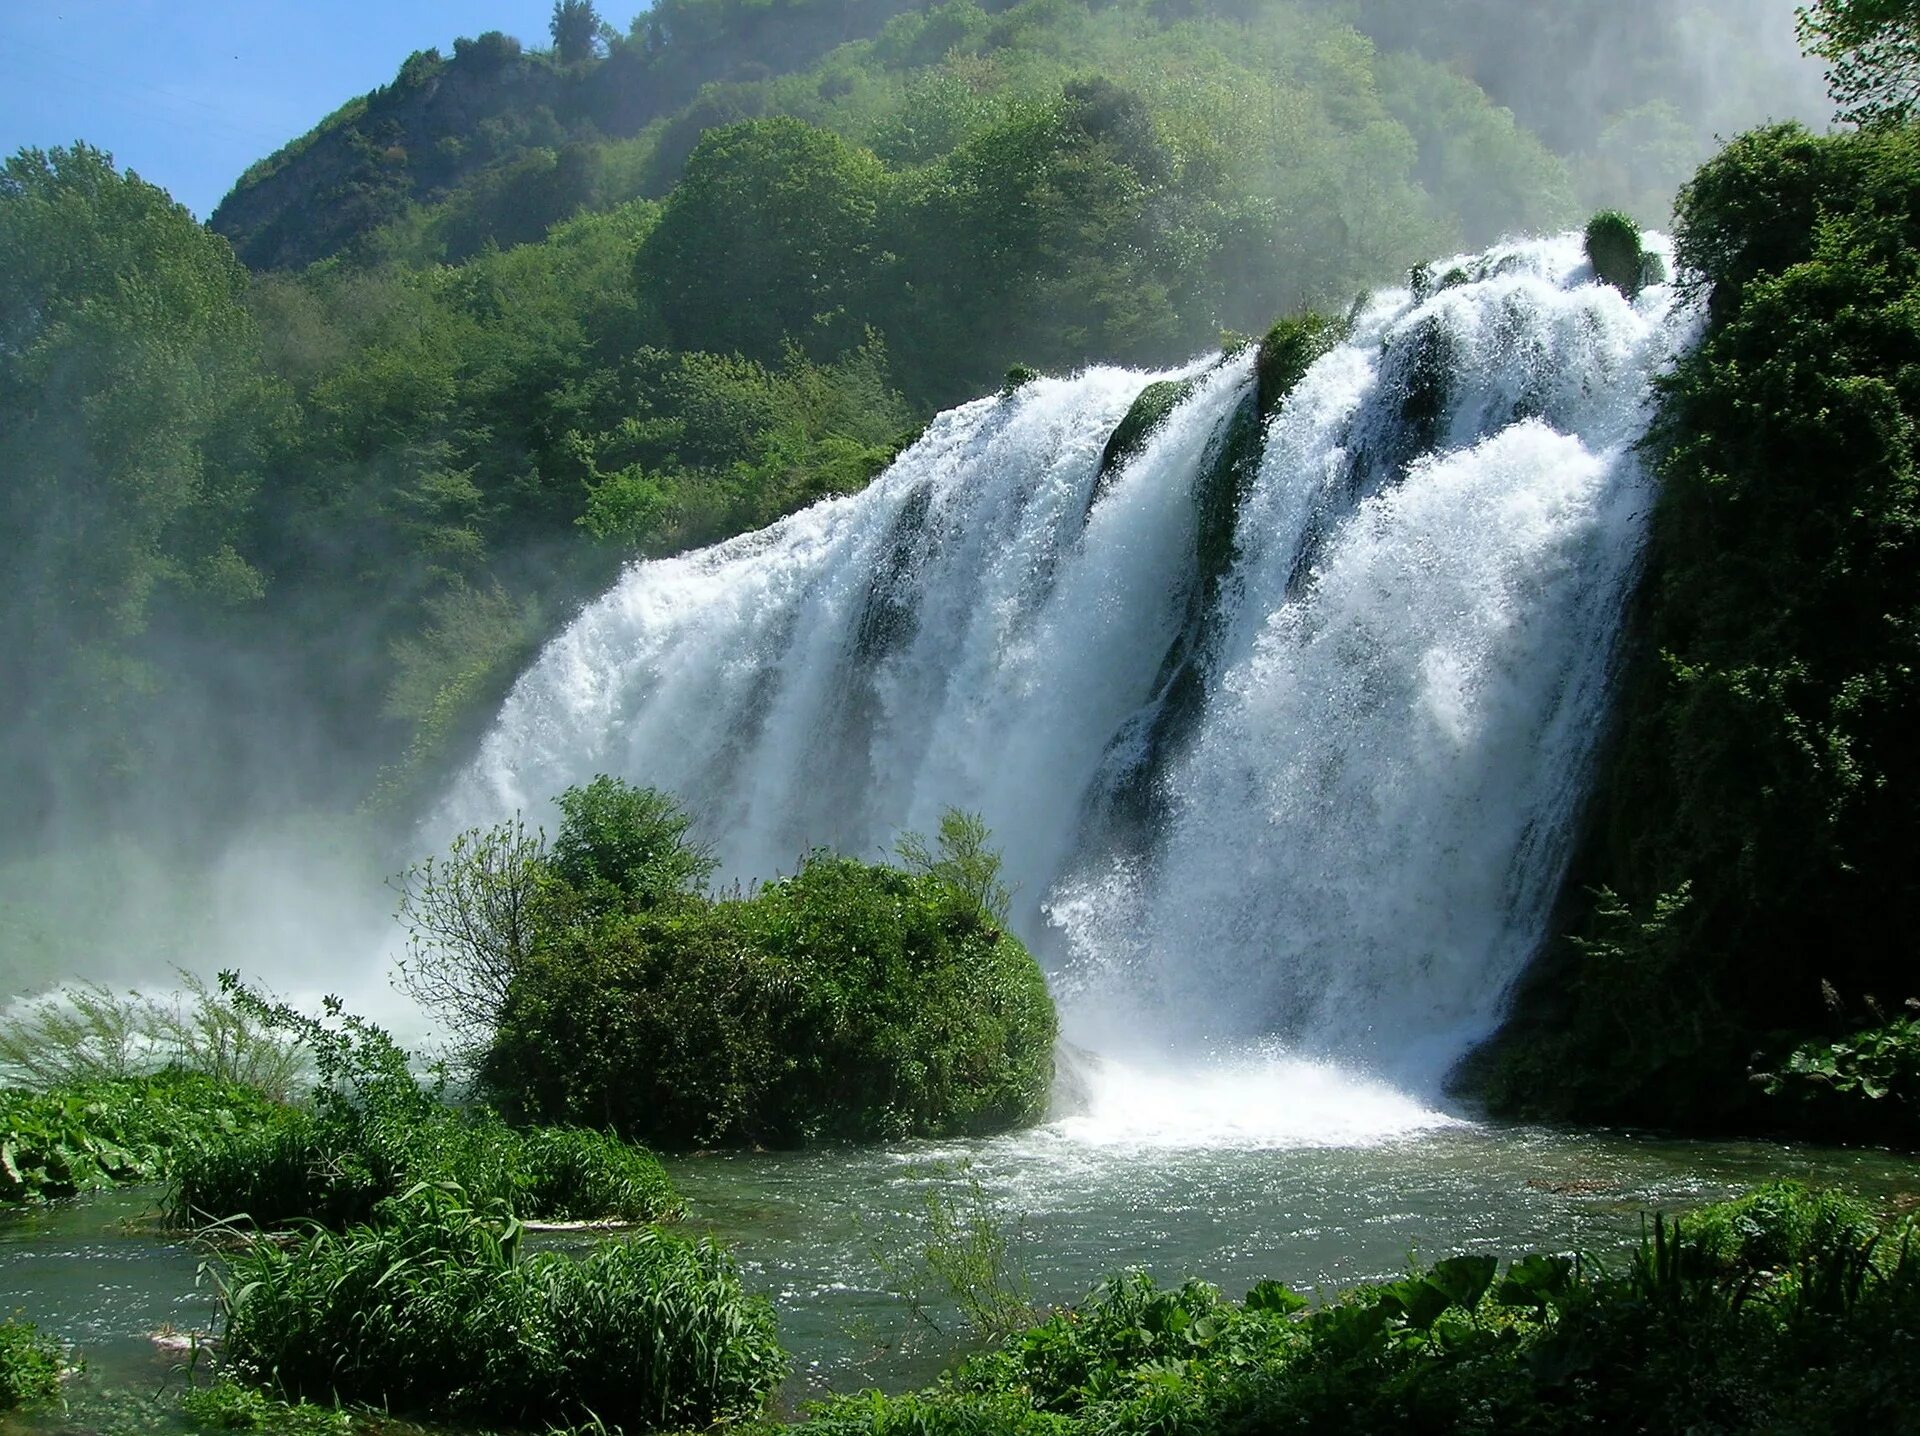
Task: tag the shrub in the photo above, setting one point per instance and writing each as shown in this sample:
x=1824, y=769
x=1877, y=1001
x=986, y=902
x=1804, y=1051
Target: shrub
x=849, y=1001
x=87, y=1032
x=1865, y=1086
x=471, y=919
x=228, y=1406
x=91, y=1135
x=1786, y=1310
x=30, y=1366
x=474, y=917
x=440, y=1308
x=625, y=847
x=967, y=1253
x=374, y=1132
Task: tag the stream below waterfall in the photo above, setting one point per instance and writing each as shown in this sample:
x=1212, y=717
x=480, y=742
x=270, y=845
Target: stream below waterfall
x=1339, y=1192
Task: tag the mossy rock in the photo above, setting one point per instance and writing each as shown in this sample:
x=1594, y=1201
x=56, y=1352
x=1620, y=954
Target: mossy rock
x=1288, y=351
x=1018, y=377
x=891, y=617
x=1427, y=380
x=1148, y=412
x=1618, y=255
x=1220, y=489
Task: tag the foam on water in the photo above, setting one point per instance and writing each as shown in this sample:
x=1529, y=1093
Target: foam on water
x=1257, y=1101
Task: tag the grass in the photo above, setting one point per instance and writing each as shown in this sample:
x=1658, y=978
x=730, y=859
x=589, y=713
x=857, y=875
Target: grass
x=375, y=1131
x=336, y=1169
x=228, y=1406
x=88, y=1032
x=441, y=1309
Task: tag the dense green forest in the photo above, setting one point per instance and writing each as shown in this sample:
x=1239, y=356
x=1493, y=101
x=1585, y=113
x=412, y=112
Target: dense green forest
x=439, y=366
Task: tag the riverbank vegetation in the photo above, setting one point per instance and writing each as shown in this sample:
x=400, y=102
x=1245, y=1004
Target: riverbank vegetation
x=228, y=1150
x=591, y=981
x=85, y=1136
x=439, y=1309
x=1784, y=1310
x=374, y=1132
x=1749, y=884
x=30, y=1366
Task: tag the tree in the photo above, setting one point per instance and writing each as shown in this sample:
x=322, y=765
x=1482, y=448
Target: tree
x=133, y=413
x=623, y=846
x=962, y=859
x=768, y=236
x=472, y=920
x=475, y=917
x=1872, y=51
x=576, y=30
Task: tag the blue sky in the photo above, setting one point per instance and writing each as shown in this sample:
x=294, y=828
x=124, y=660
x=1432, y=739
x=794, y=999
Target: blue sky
x=191, y=92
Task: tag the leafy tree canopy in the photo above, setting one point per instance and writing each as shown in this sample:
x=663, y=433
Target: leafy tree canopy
x=1872, y=50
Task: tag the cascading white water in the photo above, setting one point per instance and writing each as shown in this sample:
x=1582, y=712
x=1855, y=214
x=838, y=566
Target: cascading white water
x=1352, y=838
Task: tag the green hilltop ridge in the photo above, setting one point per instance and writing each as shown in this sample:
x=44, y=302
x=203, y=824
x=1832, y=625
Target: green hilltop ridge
x=496, y=141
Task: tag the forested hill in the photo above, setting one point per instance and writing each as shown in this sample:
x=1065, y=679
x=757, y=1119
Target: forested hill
x=496, y=141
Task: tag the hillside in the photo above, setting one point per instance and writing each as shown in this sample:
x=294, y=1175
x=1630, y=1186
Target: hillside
x=504, y=140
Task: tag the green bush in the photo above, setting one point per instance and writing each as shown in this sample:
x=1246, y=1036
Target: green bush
x=334, y=1172
x=90, y=1135
x=476, y=915
x=849, y=1001
x=1864, y=1086
x=1785, y=1310
x=441, y=1309
x=30, y=1366
x=228, y=1406
x=375, y=1132
x=622, y=846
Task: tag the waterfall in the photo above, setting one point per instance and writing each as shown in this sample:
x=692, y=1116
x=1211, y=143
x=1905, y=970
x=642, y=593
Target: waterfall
x=1282, y=740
